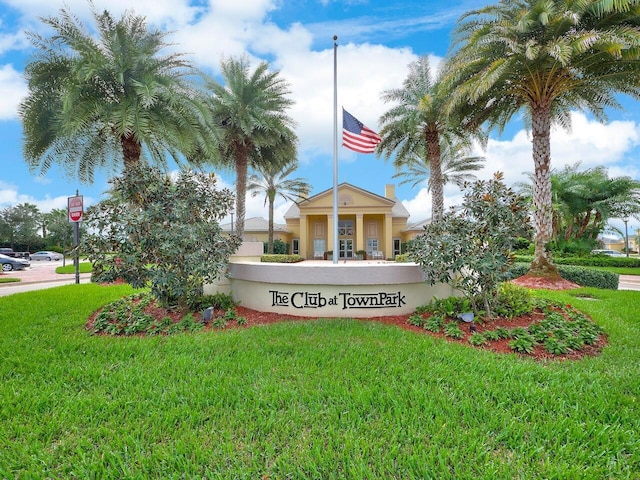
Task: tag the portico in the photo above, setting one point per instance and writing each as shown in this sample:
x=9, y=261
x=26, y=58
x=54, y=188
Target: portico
x=366, y=222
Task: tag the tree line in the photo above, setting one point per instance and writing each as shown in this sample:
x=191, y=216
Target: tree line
x=24, y=227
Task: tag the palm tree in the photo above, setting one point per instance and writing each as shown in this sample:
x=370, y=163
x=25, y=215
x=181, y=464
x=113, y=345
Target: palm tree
x=456, y=162
x=107, y=101
x=584, y=201
x=544, y=57
x=271, y=179
x=251, y=108
x=417, y=123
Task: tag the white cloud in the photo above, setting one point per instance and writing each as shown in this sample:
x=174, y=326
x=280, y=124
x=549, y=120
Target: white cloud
x=13, y=89
x=169, y=13
x=10, y=196
x=589, y=142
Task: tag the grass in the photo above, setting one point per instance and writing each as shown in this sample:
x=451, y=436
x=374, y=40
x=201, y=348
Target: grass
x=4, y=279
x=323, y=399
x=84, y=267
x=619, y=270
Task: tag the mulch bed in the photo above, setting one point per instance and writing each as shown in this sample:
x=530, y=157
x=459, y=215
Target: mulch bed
x=254, y=318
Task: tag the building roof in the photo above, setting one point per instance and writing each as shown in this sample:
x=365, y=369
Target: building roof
x=417, y=226
x=256, y=224
x=398, y=210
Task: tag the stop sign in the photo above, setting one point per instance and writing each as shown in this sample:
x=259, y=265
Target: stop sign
x=74, y=207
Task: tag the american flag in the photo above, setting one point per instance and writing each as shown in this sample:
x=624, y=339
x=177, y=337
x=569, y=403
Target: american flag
x=357, y=137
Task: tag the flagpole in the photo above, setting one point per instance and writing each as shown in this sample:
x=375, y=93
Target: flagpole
x=336, y=251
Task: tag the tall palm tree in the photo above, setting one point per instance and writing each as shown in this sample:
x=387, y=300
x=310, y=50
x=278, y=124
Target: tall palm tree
x=417, y=123
x=271, y=180
x=107, y=101
x=545, y=57
x=456, y=162
x=251, y=108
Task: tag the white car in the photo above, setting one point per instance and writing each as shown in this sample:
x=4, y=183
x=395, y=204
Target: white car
x=46, y=256
x=611, y=253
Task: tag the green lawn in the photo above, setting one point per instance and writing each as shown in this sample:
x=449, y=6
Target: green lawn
x=322, y=399
x=83, y=267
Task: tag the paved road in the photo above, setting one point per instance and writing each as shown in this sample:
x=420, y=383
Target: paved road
x=41, y=274
x=629, y=282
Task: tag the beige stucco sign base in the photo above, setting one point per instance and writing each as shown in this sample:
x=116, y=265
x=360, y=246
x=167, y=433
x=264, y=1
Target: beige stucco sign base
x=357, y=289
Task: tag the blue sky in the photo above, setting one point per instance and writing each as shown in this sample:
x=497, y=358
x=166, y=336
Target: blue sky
x=377, y=40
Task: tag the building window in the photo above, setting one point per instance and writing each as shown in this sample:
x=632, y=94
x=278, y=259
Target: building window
x=318, y=246
x=295, y=246
x=397, y=246
x=345, y=228
x=372, y=245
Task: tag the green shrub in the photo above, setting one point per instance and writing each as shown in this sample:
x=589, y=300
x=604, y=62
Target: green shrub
x=279, y=247
x=477, y=339
x=555, y=346
x=157, y=232
x=588, y=261
x=450, y=306
x=470, y=247
x=585, y=277
x=127, y=316
x=218, y=300
x=416, y=320
x=434, y=323
x=281, y=258
x=453, y=330
x=513, y=301
x=403, y=258
x=491, y=335
x=522, y=343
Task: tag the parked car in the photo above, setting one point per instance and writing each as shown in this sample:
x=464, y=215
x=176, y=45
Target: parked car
x=45, y=255
x=10, y=263
x=610, y=253
x=10, y=253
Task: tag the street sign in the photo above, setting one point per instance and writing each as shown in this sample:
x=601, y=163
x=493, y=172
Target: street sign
x=74, y=207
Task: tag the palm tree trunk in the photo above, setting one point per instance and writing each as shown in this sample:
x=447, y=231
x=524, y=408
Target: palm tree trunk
x=435, y=166
x=270, y=239
x=241, y=188
x=131, y=151
x=542, y=264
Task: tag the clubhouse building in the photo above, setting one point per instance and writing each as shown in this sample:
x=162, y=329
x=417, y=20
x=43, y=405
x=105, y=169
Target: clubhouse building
x=367, y=222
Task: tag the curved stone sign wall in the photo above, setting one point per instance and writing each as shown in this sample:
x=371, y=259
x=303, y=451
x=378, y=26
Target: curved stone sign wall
x=358, y=289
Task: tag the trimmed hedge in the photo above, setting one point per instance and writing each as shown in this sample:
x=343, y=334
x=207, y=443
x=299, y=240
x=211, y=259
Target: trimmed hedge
x=592, y=261
x=281, y=258
x=584, y=277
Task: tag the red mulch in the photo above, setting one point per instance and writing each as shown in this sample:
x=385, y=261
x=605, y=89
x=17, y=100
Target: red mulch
x=254, y=318
x=531, y=281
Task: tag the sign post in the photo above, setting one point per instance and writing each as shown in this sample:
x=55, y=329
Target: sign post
x=75, y=211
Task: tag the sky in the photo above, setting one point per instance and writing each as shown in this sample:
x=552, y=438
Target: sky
x=377, y=40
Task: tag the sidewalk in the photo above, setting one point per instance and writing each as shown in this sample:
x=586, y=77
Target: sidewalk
x=39, y=272
x=39, y=276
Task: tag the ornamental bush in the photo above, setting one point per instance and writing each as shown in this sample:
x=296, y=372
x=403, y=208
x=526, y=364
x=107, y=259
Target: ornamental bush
x=163, y=233
x=281, y=258
x=470, y=246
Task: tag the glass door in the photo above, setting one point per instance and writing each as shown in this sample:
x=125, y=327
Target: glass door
x=346, y=248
